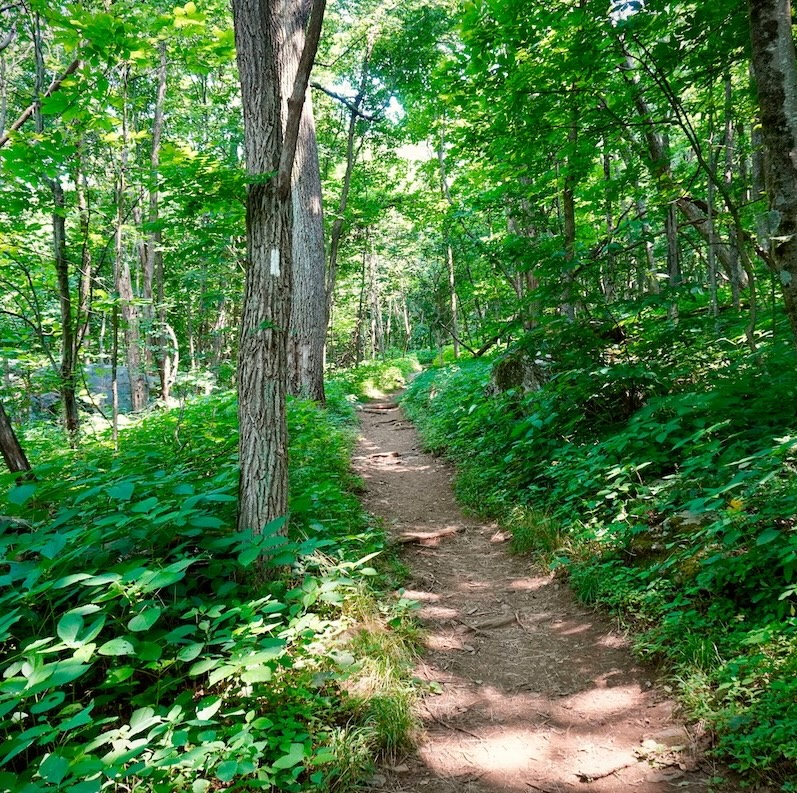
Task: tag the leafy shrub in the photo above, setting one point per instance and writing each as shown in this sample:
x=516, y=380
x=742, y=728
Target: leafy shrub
x=675, y=508
x=140, y=644
x=373, y=379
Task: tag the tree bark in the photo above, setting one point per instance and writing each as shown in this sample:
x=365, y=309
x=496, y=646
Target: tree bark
x=308, y=319
x=139, y=386
x=13, y=453
x=775, y=66
x=68, y=336
x=262, y=357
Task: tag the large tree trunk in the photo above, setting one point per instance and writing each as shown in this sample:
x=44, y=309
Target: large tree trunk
x=262, y=356
x=308, y=320
x=775, y=68
x=12, y=451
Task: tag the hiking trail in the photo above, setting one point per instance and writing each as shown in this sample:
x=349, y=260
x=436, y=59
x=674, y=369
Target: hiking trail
x=537, y=693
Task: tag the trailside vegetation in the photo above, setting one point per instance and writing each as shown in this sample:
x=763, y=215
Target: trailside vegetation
x=146, y=642
x=656, y=470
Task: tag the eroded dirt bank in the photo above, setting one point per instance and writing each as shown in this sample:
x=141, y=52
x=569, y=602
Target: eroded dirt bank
x=537, y=693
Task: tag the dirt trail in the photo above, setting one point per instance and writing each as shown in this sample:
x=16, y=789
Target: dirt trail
x=537, y=693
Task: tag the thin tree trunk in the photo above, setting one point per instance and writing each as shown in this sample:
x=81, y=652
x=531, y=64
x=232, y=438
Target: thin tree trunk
x=308, y=318
x=775, y=68
x=13, y=453
x=673, y=257
x=160, y=339
x=339, y=222
x=569, y=220
x=139, y=387
x=452, y=297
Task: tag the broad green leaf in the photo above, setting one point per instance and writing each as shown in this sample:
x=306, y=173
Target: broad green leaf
x=21, y=494
x=248, y=556
x=257, y=674
x=54, y=768
x=294, y=757
x=116, y=646
x=190, y=652
x=69, y=626
x=205, y=665
x=146, y=505
x=208, y=707
x=145, y=620
x=53, y=546
x=227, y=770
x=122, y=491
x=767, y=536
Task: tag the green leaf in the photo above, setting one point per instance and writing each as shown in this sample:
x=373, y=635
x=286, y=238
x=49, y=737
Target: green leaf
x=122, y=491
x=207, y=707
x=116, y=647
x=257, y=674
x=146, y=505
x=767, y=536
x=248, y=556
x=205, y=665
x=54, y=546
x=190, y=652
x=145, y=620
x=69, y=626
x=21, y=494
x=294, y=757
x=227, y=770
x=54, y=768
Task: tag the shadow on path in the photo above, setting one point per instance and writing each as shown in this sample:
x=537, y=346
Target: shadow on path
x=536, y=693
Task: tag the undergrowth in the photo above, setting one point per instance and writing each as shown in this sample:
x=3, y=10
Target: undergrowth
x=657, y=466
x=144, y=649
x=375, y=379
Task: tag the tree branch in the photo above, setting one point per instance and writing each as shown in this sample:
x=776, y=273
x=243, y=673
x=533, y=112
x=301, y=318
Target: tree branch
x=350, y=105
x=54, y=86
x=9, y=37
x=296, y=100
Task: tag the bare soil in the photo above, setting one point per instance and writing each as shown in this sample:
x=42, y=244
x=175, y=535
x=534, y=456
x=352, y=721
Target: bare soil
x=528, y=689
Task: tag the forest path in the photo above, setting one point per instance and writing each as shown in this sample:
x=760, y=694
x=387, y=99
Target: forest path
x=536, y=692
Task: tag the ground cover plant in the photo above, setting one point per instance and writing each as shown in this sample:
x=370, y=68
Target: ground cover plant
x=654, y=463
x=145, y=645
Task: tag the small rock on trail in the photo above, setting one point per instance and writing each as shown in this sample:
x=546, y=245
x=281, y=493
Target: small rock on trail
x=534, y=692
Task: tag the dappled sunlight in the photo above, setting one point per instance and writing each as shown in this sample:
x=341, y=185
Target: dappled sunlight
x=583, y=628
x=437, y=612
x=498, y=750
x=416, y=594
x=529, y=584
x=525, y=689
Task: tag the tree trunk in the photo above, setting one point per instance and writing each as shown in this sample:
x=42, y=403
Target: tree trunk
x=452, y=295
x=12, y=451
x=262, y=357
x=775, y=67
x=68, y=339
x=337, y=226
x=569, y=220
x=308, y=317
x=139, y=387
x=673, y=257
x=160, y=338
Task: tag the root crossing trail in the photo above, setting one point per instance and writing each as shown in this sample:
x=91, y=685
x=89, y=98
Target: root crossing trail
x=534, y=691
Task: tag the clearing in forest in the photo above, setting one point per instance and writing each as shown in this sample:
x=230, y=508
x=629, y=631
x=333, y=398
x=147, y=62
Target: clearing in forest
x=527, y=689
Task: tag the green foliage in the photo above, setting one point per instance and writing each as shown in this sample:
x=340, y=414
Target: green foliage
x=374, y=379
x=658, y=471
x=141, y=643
